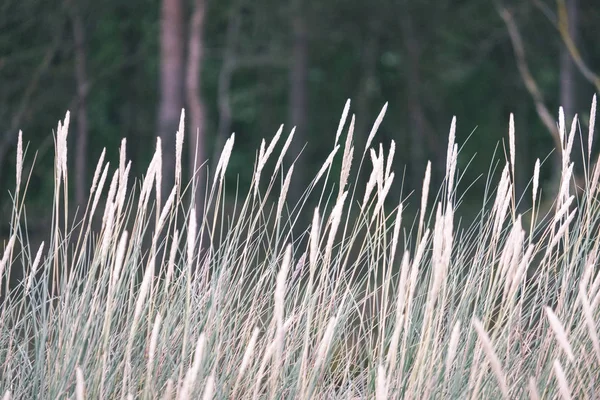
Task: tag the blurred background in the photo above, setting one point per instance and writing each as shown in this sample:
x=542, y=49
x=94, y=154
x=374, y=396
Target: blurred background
x=125, y=69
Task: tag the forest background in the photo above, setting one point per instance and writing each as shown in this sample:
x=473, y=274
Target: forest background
x=126, y=69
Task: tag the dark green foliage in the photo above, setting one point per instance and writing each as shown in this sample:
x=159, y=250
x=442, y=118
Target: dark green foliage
x=357, y=50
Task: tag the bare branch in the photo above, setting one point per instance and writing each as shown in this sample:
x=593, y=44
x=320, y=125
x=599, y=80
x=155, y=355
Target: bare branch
x=561, y=23
x=9, y=137
x=563, y=28
x=528, y=79
x=546, y=11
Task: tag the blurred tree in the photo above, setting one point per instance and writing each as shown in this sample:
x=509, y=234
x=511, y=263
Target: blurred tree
x=298, y=94
x=229, y=64
x=248, y=65
x=569, y=82
x=571, y=66
x=31, y=35
x=172, y=42
x=568, y=77
x=195, y=102
x=416, y=126
x=81, y=117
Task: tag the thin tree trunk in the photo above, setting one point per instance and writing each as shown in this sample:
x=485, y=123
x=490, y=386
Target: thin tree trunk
x=415, y=108
x=171, y=85
x=224, y=87
x=298, y=100
x=195, y=103
x=9, y=137
x=81, y=155
x=568, y=89
x=367, y=84
x=369, y=63
x=568, y=81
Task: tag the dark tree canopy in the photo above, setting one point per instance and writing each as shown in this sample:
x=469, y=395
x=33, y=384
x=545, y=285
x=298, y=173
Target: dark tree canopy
x=262, y=63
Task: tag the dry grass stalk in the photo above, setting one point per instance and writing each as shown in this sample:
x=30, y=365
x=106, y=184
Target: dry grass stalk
x=224, y=160
x=532, y=387
x=209, y=388
x=80, y=385
x=591, y=128
x=382, y=389
x=100, y=186
x=7, y=254
x=158, y=177
x=284, y=149
x=325, y=166
x=399, y=316
x=511, y=142
x=375, y=127
x=191, y=237
x=559, y=332
x=152, y=351
x=284, y=190
x=563, y=385
x=347, y=158
x=424, y=196
x=246, y=360
x=187, y=387
x=590, y=322
x=452, y=348
x=451, y=159
x=278, y=315
x=19, y=166
x=342, y=121
x=492, y=357
x=168, y=390
x=34, y=267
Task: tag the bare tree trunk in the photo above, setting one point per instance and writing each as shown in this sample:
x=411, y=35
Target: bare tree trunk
x=298, y=100
x=81, y=155
x=171, y=85
x=9, y=137
x=365, y=94
x=194, y=101
x=564, y=22
x=568, y=89
x=568, y=81
x=415, y=108
x=367, y=85
x=224, y=87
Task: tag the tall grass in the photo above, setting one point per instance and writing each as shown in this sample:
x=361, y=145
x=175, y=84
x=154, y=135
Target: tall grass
x=166, y=301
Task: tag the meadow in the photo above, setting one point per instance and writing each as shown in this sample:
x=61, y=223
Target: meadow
x=162, y=300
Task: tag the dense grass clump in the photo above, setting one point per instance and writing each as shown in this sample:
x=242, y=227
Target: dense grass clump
x=166, y=301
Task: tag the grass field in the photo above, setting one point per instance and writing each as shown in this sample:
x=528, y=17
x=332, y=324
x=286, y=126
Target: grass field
x=166, y=301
